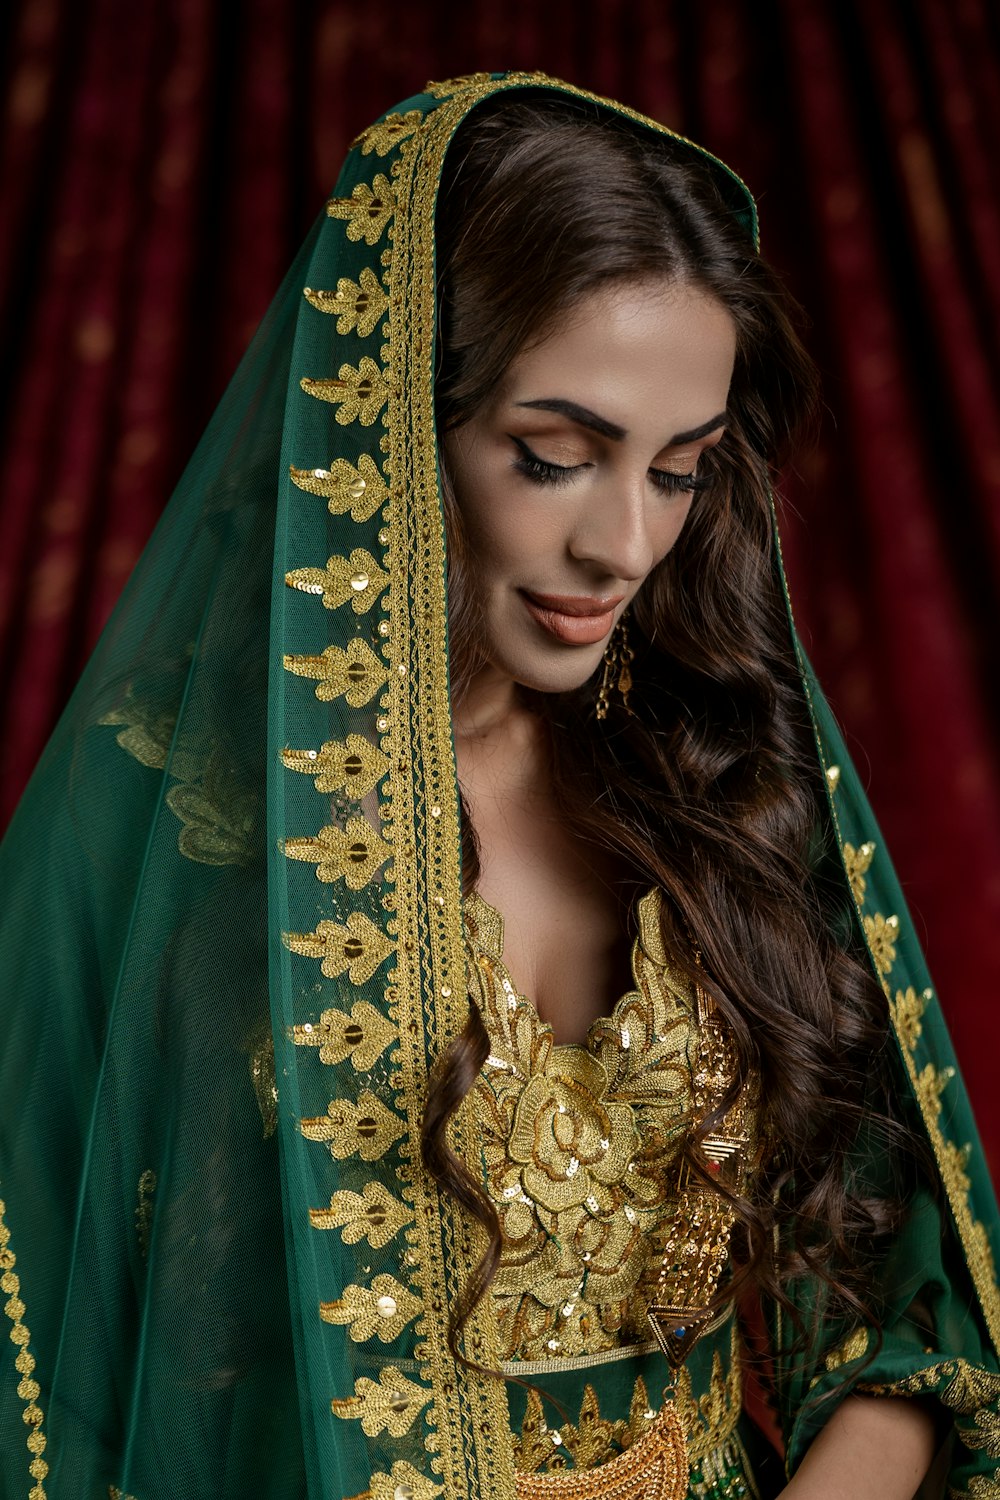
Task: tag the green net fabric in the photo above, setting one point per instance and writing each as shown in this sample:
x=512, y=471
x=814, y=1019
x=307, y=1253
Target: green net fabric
x=231, y=939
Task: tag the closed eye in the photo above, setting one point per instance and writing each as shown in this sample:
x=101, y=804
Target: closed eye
x=539, y=469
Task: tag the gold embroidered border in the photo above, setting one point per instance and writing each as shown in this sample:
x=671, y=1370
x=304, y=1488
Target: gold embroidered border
x=880, y=941
x=28, y=1388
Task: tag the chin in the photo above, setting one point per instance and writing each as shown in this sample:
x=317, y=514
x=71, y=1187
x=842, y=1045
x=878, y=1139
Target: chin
x=553, y=676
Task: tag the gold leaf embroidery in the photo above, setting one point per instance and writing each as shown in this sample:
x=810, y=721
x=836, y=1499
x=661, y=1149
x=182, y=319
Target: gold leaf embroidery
x=907, y=1013
x=391, y=1405
x=359, y=394
x=357, y=304
x=357, y=946
x=28, y=1389
x=711, y=1420
x=929, y=1084
x=449, y=86
x=882, y=934
x=352, y=854
x=355, y=672
x=385, y=134
x=362, y=1036
x=354, y=766
x=218, y=820
x=359, y=490
x=381, y=1310
x=366, y=1129
x=357, y=579
x=857, y=862
x=971, y=1393
x=367, y=211
x=373, y=1214
x=848, y=1350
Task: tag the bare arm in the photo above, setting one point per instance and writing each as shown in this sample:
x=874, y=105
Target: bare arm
x=872, y=1448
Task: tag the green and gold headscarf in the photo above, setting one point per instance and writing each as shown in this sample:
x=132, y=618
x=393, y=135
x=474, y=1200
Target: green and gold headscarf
x=232, y=946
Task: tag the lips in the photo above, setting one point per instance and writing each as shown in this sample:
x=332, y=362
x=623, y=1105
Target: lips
x=575, y=619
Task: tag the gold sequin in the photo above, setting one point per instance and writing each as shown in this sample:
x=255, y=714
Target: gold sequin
x=367, y=211
x=345, y=488
x=373, y=1215
x=28, y=1388
x=357, y=305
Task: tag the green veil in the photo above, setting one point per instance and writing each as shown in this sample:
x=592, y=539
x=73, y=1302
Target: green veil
x=232, y=945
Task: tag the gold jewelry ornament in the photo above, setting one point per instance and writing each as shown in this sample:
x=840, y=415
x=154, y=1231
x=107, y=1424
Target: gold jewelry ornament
x=654, y=1468
x=618, y=658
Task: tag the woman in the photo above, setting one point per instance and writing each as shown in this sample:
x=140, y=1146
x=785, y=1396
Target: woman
x=405, y=1232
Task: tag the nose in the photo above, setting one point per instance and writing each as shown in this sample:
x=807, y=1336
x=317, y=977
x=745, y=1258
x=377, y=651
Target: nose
x=615, y=532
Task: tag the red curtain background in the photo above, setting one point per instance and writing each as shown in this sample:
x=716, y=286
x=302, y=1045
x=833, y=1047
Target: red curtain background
x=160, y=162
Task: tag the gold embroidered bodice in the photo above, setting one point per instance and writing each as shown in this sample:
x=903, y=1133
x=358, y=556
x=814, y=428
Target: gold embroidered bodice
x=578, y=1143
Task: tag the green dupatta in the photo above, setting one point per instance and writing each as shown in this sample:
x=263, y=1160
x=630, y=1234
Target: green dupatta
x=226, y=1273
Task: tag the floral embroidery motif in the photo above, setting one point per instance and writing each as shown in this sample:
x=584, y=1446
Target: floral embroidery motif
x=367, y=211
x=404, y=1481
x=357, y=946
x=383, y=1309
x=366, y=1129
x=356, y=673
x=345, y=488
x=848, y=1350
x=354, y=853
x=385, y=134
x=390, y=1404
x=353, y=766
x=357, y=305
x=577, y=1142
x=882, y=934
x=358, y=393
x=362, y=1036
x=357, y=580
x=971, y=1393
x=373, y=1215
x=857, y=862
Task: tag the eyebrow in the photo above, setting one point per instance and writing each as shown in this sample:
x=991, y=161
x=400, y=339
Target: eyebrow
x=586, y=418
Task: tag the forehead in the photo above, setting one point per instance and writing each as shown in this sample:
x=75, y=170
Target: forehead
x=638, y=354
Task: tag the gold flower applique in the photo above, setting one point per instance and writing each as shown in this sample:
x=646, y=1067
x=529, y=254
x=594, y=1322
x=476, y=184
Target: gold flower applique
x=577, y=1144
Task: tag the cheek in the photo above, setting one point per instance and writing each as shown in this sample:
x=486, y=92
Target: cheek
x=669, y=528
x=505, y=528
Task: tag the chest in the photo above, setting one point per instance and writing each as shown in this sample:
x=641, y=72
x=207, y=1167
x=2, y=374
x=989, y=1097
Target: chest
x=566, y=912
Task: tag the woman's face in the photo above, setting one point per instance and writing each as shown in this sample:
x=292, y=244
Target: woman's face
x=576, y=479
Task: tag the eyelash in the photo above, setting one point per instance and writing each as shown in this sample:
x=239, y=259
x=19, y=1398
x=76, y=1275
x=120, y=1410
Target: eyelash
x=540, y=472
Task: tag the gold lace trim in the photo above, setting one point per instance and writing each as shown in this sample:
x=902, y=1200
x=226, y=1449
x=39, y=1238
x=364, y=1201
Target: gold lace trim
x=28, y=1387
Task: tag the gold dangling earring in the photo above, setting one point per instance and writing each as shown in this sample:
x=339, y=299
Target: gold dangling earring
x=618, y=658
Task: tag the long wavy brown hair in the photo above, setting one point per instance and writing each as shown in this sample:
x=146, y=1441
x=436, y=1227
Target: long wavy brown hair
x=712, y=790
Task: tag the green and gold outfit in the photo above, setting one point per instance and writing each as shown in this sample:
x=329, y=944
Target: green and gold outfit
x=234, y=941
